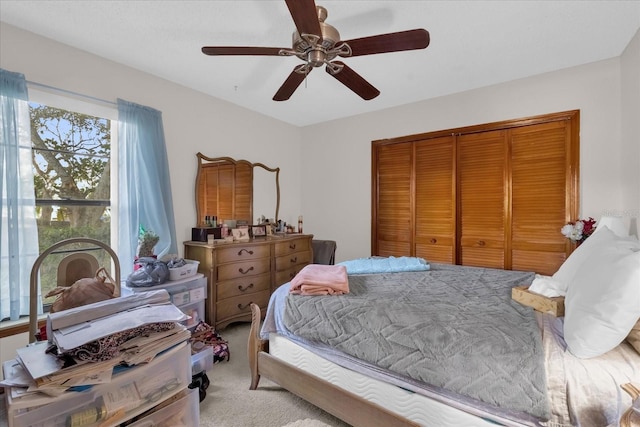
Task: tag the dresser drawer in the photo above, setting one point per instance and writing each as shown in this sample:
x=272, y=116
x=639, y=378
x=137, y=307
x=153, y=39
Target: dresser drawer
x=241, y=305
x=239, y=252
x=243, y=269
x=292, y=246
x=287, y=261
x=286, y=275
x=242, y=286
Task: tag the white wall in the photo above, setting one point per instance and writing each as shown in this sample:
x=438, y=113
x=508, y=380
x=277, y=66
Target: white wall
x=630, y=61
x=338, y=206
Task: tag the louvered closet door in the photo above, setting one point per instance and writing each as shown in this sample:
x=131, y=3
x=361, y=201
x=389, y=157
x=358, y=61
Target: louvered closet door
x=482, y=195
x=216, y=186
x=435, y=214
x=243, y=192
x=540, y=158
x=220, y=184
x=393, y=200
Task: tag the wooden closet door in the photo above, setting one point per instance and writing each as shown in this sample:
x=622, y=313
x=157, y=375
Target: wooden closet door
x=243, y=187
x=483, y=198
x=216, y=191
x=541, y=196
x=392, y=190
x=435, y=213
x=221, y=185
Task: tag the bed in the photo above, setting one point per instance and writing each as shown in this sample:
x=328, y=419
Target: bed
x=521, y=378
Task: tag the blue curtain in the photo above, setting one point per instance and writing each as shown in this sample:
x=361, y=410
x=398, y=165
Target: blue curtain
x=144, y=185
x=18, y=229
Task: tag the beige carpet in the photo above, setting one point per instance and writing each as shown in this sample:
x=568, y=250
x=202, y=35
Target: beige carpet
x=230, y=403
x=307, y=422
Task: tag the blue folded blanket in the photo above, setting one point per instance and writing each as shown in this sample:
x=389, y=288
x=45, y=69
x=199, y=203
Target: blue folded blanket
x=385, y=265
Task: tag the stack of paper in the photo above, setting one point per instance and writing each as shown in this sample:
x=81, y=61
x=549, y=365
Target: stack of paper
x=50, y=367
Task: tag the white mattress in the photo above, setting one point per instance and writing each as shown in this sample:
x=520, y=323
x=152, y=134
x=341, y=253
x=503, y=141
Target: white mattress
x=415, y=407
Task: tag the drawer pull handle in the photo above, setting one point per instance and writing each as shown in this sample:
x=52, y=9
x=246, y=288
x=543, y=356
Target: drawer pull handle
x=294, y=260
x=241, y=289
x=434, y=241
x=292, y=246
x=481, y=242
x=245, y=271
x=244, y=306
x=244, y=250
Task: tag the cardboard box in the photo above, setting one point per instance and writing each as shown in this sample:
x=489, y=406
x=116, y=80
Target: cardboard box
x=555, y=305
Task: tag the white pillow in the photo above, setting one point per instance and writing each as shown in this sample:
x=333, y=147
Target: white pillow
x=571, y=265
x=603, y=300
x=545, y=285
x=613, y=223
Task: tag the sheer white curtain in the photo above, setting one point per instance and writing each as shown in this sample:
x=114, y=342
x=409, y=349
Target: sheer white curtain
x=144, y=183
x=18, y=230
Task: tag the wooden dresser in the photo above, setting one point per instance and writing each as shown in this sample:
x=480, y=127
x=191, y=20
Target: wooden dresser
x=240, y=273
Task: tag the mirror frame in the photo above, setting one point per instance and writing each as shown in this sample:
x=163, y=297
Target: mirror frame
x=204, y=160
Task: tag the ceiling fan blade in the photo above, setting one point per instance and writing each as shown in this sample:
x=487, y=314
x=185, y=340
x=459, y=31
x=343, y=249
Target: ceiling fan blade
x=242, y=50
x=391, y=42
x=305, y=16
x=291, y=84
x=353, y=81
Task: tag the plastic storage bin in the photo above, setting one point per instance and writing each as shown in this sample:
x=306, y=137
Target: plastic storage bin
x=188, y=270
x=195, y=310
x=202, y=361
x=187, y=294
x=130, y=393
x=185, y=411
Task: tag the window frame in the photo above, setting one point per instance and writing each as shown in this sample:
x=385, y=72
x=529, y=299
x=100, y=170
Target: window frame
x=86, y=105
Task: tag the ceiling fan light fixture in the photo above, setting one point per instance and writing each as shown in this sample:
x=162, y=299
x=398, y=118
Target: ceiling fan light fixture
x=326, y=40
x=316, y=57
x=330, y=36
x=317, y=43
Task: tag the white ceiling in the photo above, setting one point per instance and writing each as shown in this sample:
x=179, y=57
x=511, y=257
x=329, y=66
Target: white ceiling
x=473, y=44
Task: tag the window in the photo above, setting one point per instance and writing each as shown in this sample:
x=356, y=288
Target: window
x=73, y=143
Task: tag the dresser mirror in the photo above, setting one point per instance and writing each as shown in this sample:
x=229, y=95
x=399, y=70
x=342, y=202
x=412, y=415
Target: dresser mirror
x=236, y=189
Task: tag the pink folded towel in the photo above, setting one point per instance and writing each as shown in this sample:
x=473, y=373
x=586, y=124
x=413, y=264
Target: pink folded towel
x=319, y=279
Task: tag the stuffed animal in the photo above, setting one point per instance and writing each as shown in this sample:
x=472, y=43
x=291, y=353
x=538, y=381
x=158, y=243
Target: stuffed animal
x=83, y=291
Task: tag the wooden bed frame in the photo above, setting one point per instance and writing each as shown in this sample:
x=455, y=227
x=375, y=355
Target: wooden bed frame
x=345, y=405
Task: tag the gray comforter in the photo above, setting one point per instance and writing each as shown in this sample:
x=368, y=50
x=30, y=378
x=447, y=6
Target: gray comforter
x=451, y=327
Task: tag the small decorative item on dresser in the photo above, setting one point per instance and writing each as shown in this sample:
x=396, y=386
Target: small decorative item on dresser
x=240, y=234
x=259, y=230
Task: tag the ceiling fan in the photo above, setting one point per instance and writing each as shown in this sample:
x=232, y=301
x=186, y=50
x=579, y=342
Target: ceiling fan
x=318, y=43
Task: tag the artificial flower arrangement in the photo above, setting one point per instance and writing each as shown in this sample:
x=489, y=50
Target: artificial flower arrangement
x=579, y=230
x=147, y=240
